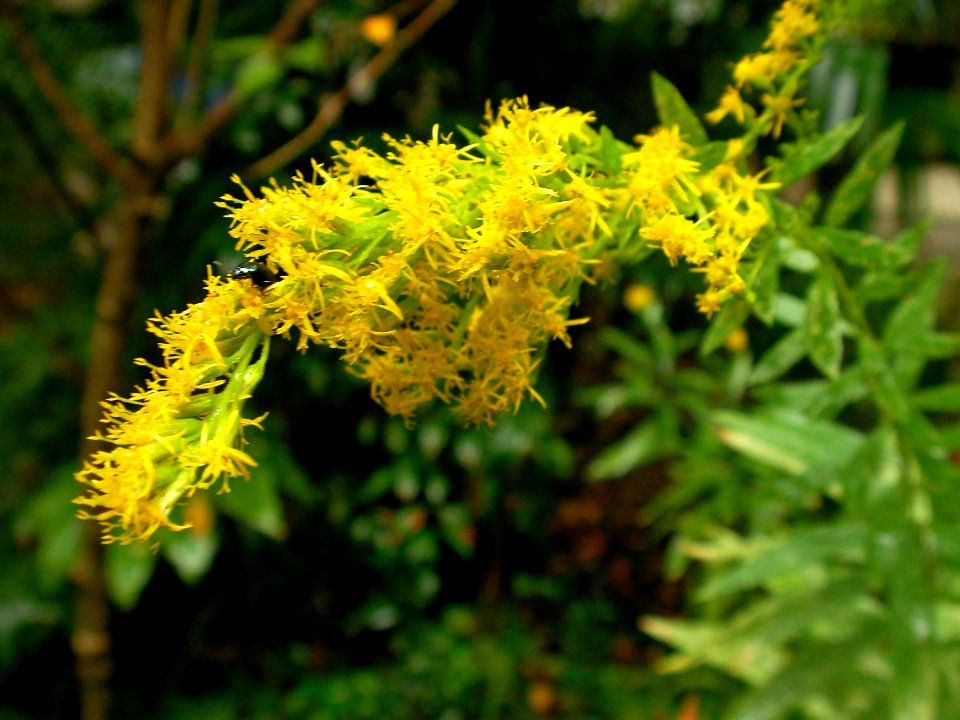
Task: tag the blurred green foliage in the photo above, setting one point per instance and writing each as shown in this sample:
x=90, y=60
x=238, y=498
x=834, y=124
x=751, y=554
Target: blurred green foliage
x=766, y=531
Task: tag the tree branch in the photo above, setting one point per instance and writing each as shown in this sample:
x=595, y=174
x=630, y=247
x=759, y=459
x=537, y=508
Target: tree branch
x=149, y=113
x=189, y=142
x=69, y=115
x=331, y=109
x=196, y=61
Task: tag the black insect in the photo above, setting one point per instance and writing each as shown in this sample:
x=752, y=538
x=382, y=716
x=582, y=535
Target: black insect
x=257, y=273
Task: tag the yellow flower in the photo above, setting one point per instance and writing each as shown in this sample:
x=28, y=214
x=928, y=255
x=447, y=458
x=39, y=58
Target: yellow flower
x=184, y=430
x=795, y=21
x=731, y=103
x=637, y=297
x=780, y=105
x=679, y=237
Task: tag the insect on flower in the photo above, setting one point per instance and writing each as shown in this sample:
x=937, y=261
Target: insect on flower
x=257, y=273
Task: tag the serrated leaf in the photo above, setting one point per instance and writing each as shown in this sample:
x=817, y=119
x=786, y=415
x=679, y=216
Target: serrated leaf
x=126, y=571
x=823, y=327
x=672, y=109
x=781, y=356
x=857, y=187
x=813, y=154
x=638, y=447
x=792, y=443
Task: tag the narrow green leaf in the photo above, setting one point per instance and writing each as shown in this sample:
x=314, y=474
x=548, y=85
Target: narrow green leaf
x=781, y=356
x=807, y=157
x=857, y=187
x=792, y=443
x=862, y=249
x=939, y=398
x=641, y=445
x=766, y=284
x=908, y=326
x=809, y=672
x=942, y=345
x=883, y=383
x=672, y=109
x=790, y=558
x=823, y=326
x=915, y=690
x=904, y=246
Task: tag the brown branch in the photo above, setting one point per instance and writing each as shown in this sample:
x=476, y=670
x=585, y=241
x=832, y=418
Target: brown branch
x=331, y=109
x=177, y=25
x=189, y=142
x=69, y=115
x=149, y=113
x=196, y=62
x=122, y=235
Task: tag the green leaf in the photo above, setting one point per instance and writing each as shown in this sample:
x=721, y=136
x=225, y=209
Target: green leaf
x=792, y=443
x=942, y=345
x=712, y=154
x=48, y=521
x=915, y=690
x=731, y=316
x=939, y=398
x=865, y=250
x=823, y=327
x=641, y=445
x=908, y=326
x=672, y=109
x=857, y=187
x=766, y=284
x=781, y=356
x=611, y=151
x=255, y=503
x=808, y=673
x=808, y=156
x=126, y=571
x=904, y=246
x=789, y=558
x=258, y=73
x=190, y=553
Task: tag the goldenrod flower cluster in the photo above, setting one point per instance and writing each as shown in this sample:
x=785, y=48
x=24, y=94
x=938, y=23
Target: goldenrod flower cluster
x=788, y=51
x=184, y=430
x=439, y=271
